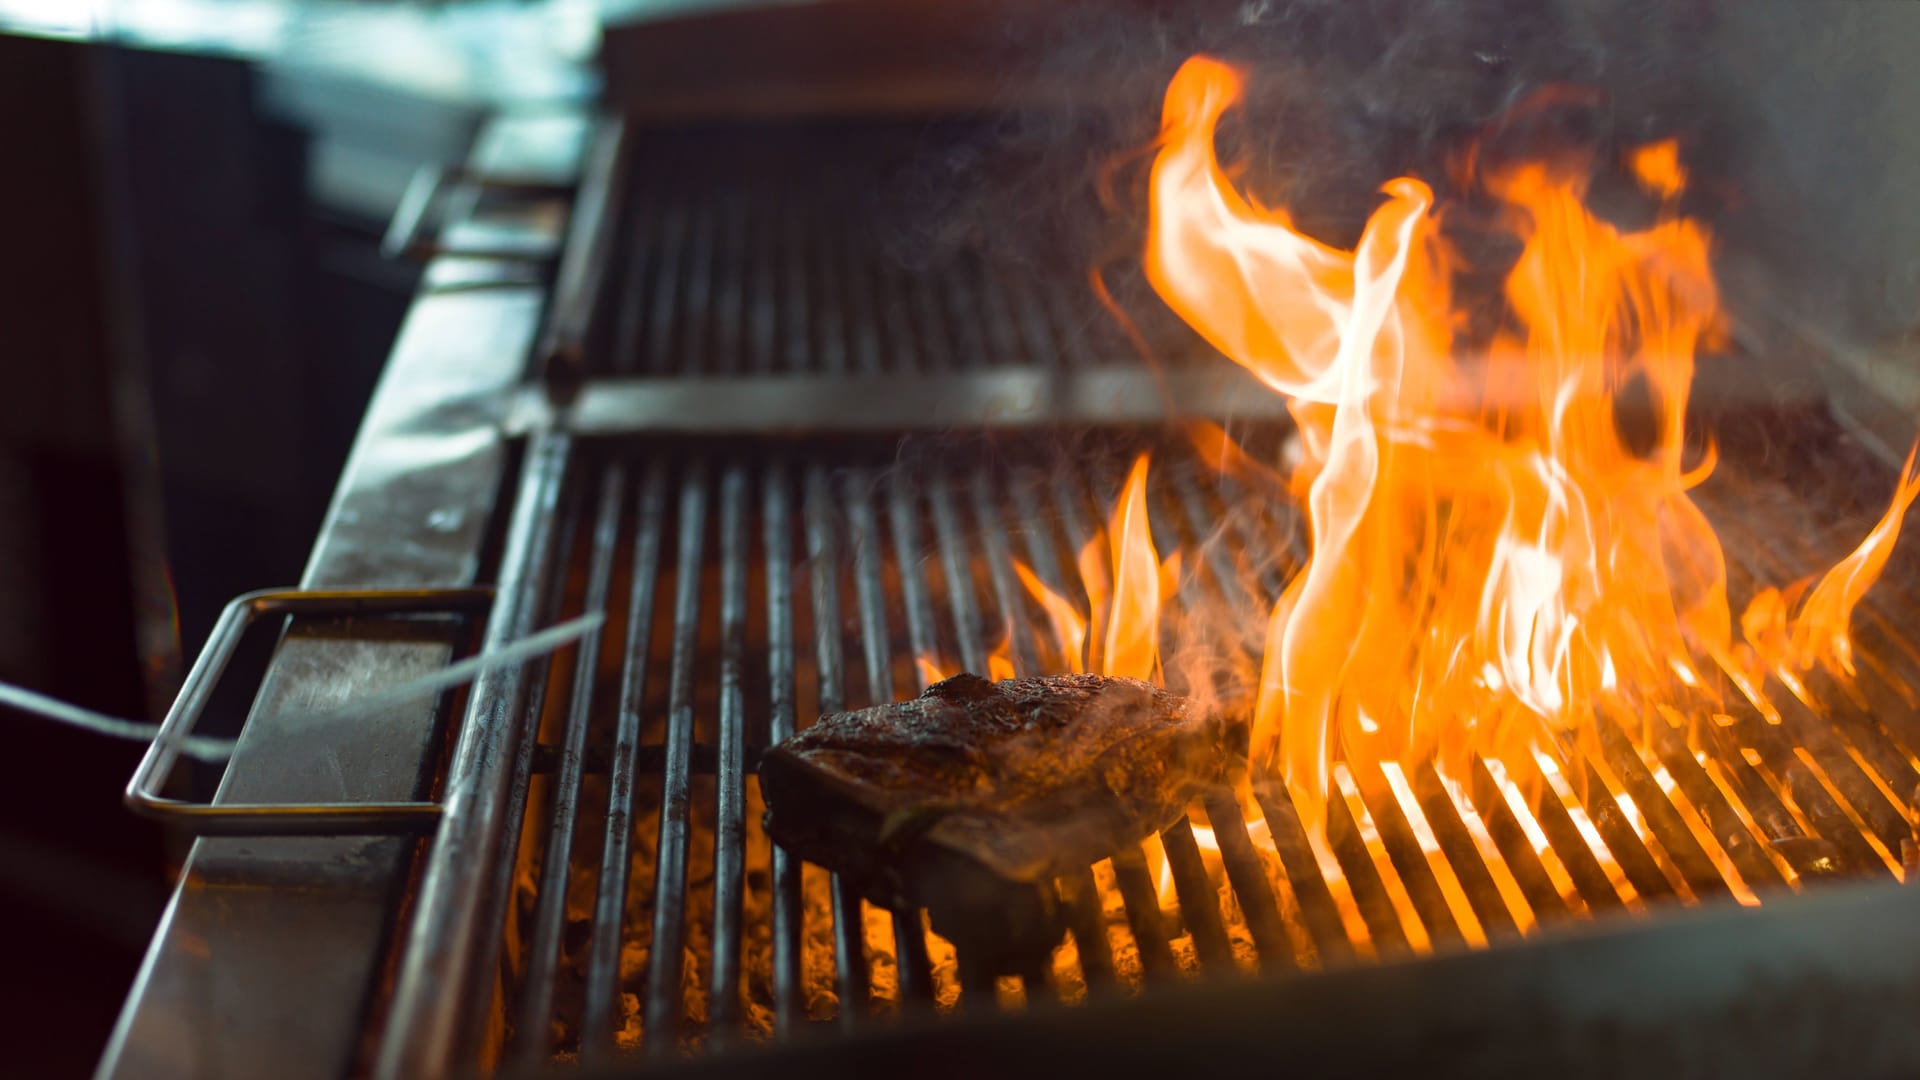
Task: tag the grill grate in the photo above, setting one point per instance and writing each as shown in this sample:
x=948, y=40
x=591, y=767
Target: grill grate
x=840, y=569
x=750, y=587
x=803, y=251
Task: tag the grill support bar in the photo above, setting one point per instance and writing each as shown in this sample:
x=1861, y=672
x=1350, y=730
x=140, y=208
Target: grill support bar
x=448, y=944
x=616, y=860
x=823, y=551
x=663, y=1002
x=550, y=917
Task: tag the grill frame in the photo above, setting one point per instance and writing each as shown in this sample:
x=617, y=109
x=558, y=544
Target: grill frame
x=437, y=1017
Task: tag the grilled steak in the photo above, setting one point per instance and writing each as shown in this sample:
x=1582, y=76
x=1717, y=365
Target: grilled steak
x=971, y=798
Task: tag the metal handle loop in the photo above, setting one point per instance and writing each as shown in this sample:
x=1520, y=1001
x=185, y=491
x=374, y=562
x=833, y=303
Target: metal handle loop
x=282, y=819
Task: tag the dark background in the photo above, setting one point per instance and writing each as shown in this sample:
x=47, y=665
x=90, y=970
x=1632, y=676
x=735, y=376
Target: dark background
x=188, y=336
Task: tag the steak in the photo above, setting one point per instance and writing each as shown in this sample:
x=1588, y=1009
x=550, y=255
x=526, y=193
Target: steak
x=971, y=798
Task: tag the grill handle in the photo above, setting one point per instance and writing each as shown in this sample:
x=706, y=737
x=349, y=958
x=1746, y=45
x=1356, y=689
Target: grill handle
x=282, y=819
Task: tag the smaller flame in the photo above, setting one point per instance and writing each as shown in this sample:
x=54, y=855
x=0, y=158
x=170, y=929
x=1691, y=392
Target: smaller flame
x=1130, y=646
x=999, y=663
x=1821, y=631
x=1069, y=626
x=1126, y=604
x=931, y=670
x=1657, y=165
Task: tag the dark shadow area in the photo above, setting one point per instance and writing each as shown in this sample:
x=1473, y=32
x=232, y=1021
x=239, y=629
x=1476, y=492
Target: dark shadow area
x=190, y=337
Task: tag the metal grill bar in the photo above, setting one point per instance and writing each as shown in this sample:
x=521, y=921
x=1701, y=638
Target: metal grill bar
x=823, y=549
x=909, y=940
x=543, y=954
x=1199, y=903
x=1014, y=614
x=663, y=1003
x=616, y=861
x=954, y=555
x=776, y=540
x=730, y=828
x=451, y=943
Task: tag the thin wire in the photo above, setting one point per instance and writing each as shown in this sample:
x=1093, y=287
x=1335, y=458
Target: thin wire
x=20, y=699
x=216, y=750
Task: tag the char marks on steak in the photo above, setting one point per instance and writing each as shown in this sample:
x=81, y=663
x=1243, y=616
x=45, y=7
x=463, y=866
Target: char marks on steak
x=971, y=798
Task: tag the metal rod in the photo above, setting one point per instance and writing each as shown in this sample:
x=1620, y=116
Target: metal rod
x=549, y=921
x=666, y=286
x=823, y=553
x=1088, y=924
x=994, y=318
x=1317, y=907
x=834, y=320
x=1516, y=846
x=763, y=231
x=1629, y=850
x=1369, y=888
x=1149, y=927
x=1565, y=838
x=1745, y=847
x=959, y=578
x=1409, y=861
x=1462, y=854
x=663, y=998
x=584, y=259
x=1006, y=588
x=630, y=322
x=855, y=402
x=447, y=941
x=1662, y=818
x=777, y=542
x=480, y=993
x=696, y=310
x=909, y=939
x=1036, y=528
x=730, y=307
x=1258, y=905
x=616, y=858
x=936, y=344
x=798, y=306
x=963, y=316
x=902, y=350
x=1199, y=901
x=730, y=821
x=1037, y=339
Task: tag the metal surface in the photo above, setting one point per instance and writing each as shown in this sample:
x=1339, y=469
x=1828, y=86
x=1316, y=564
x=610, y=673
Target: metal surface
x=433, y=1026
x=428, y=190
x=1013, y=399
x=282, y=819
x=228, y=989
x=1816, y=985
x=591, y=239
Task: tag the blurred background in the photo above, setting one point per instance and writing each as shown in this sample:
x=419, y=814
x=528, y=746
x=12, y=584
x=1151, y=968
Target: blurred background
x=193, y=311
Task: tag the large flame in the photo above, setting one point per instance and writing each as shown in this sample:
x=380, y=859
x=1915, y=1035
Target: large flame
x=1492, y=559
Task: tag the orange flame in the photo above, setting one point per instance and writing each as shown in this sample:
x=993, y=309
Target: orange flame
x=1821, y=632
x=1069, y=627
x=1131, y=645
x=1657, y=165
x=1126, y=603
x=1491, y=558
